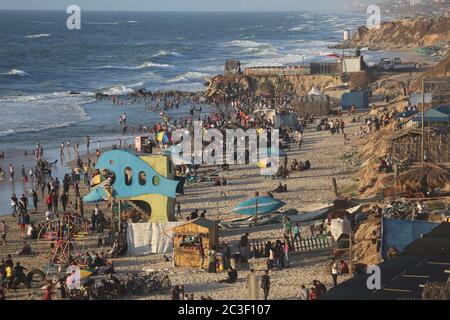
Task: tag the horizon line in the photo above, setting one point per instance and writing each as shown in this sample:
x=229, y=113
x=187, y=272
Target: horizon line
x=188, y=11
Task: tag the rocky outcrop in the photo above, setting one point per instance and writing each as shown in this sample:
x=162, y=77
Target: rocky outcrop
x=295, y=84
x=404, y=33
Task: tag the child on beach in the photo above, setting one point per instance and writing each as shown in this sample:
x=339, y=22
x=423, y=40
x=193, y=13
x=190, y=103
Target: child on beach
x=3, y=232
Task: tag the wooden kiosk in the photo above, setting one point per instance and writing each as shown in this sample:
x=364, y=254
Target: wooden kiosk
x=188, y=239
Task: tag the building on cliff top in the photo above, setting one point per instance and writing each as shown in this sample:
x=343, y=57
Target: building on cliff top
x=232, y=67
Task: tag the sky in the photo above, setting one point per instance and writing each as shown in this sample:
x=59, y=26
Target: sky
x=176, y=5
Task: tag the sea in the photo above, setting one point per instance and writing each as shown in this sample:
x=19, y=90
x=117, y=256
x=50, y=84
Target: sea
x=42, y=61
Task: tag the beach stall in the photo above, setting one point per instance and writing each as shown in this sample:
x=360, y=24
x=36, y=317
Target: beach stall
x=190, y=237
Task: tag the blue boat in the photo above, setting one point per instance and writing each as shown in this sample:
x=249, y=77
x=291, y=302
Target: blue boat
x=258, y=205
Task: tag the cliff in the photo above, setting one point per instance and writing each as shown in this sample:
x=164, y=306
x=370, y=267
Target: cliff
x=404, y=33
x=295, y=84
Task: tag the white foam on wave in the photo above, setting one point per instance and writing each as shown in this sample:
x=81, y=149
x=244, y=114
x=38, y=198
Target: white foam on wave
x=300, y=28
x=248, y=44
x=122, y=89
x=188, y=76
x=16, y=72
x=146, y=64
x=132, y=21
x=35, y=36
x=33, y=113
x=163, y=53
x=149, y=64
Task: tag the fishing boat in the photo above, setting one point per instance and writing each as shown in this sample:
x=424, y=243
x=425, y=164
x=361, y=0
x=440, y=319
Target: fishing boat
x=310, y=213
x=258, y=205
x=252, y=221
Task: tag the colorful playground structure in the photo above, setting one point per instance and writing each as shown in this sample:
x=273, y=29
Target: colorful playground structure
x=142, y=183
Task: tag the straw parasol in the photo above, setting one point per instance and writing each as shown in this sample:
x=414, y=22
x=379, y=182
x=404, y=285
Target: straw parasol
x=430, y=176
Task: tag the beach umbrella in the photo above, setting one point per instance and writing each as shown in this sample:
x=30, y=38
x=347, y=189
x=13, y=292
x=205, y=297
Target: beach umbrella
x=258, y=205
x=164, y=137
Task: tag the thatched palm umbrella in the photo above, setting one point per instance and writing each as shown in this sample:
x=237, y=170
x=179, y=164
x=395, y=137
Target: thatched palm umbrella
x=430, y=176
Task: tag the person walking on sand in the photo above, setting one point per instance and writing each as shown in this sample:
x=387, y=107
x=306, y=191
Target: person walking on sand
x=179, y=210
x=35, y=200
x=265, y=284
x=14, y=204
x=23, y=204
x=64, y=200
x=334, y=271
x=297, y=232
x=11, y=172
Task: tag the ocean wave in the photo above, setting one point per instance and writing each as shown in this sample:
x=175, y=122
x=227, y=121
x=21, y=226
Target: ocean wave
x=122, y=89
x=149, y=64
x=35, y=36
x=281, y=60
x=248, y=44
x=188, y=76
x=301, y=28
x=16, y=72
x=33, y=113
x=132, y=21
x=7, y=132
x=259, y=51
x=163, y=53
x=146, y=64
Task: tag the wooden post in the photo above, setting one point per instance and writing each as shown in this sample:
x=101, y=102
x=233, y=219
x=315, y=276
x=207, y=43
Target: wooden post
x=350, y=253
x=395, y=169
x=113, y=232
x=80, y=206
x=120, y=215
x=334, y=187
x=422, y=119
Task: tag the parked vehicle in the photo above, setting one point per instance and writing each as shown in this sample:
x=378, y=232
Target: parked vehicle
x=396, y=64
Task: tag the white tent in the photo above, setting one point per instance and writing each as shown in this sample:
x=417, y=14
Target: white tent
x=340, y=226
x=150, y=237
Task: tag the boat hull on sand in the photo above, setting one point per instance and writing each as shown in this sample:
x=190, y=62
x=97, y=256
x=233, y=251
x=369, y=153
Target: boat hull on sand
x=258, y=205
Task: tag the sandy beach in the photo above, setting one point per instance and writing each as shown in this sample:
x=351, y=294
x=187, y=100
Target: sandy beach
x=131, y=82
x=325, y=153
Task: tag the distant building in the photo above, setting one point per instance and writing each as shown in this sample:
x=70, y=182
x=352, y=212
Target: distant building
x=232, y=67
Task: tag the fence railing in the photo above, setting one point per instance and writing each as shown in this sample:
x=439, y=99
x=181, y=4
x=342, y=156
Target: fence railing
x=314, y=243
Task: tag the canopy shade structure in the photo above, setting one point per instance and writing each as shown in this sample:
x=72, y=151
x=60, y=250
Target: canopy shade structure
x=258, y=205
x=435, y=114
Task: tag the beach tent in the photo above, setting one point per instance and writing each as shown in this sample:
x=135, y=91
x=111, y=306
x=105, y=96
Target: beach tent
x=439, y=114
x=150, y=237
x=340, y=226
x=399, y=233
